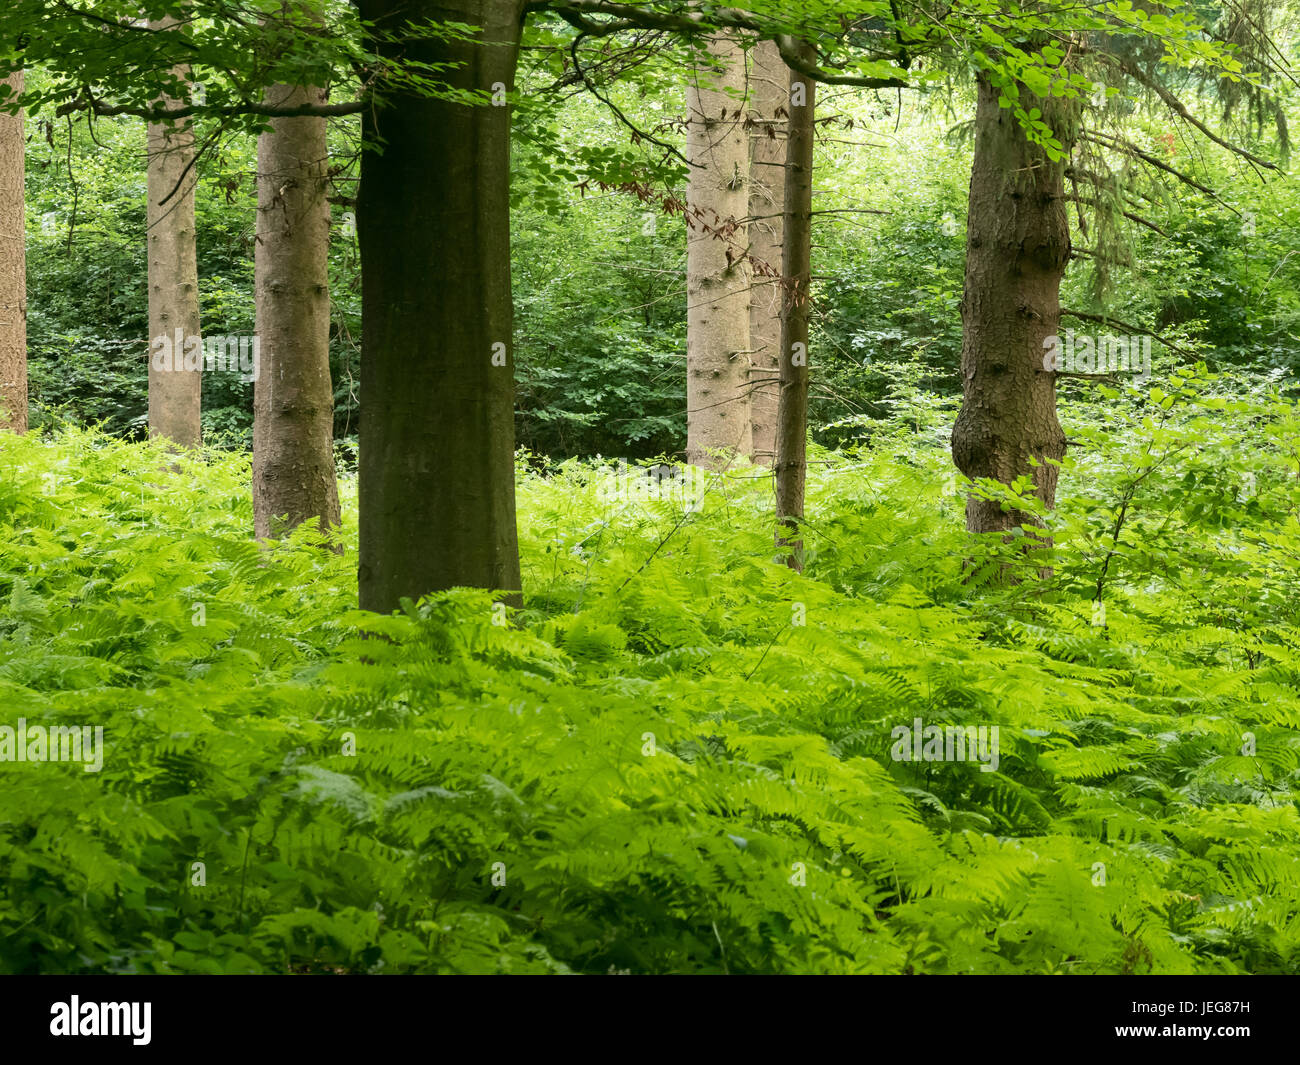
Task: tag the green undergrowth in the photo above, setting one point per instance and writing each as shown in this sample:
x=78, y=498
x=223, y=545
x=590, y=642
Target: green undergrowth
x=677, y=757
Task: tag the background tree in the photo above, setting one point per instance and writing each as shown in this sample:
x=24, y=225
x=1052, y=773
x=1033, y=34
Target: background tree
x=767, y=113
x=293, y=426
x=718, y=419
x=13, y=263
x=175, y=382
x=791, y=466
x=1019, y=236
x=1017, y=248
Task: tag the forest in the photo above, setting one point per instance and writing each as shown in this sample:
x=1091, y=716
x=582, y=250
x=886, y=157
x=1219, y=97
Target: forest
x=634, y=487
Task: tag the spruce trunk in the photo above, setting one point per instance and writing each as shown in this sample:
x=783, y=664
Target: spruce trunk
x=1017, y=248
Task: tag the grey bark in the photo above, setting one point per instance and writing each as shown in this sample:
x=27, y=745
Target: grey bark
x=174, y=394
x=768, y=110
x=13, y=268
x=293, y=399
x=717, y=271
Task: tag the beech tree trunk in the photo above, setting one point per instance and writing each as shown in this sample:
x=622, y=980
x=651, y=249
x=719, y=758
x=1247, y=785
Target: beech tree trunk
x=437, y=441
x=768, y=95
x=13, y=268
x=293, y=400
x=175, y=386
x=791, y=467
x=1017, y=248
x=718, y=423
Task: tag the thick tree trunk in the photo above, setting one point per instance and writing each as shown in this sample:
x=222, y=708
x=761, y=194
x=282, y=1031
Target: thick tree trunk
x=175, y=370
x=437, y=442
x=13, y=269
x=791, y=467
x=1017, y=247
x=717, y=271
x=293, y=400
x=768, y=95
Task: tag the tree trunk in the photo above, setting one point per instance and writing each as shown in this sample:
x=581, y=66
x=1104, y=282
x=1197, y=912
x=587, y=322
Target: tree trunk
x=717, y=271
x=437, y=442
x=768, y=96
x=293, y=400
x=791, y=466
x=13, y=268
x=1017, y=247
x=175, y=369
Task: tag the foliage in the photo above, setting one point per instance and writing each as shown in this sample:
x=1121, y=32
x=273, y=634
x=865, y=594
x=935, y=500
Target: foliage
x=502, y=809
x=679, y=756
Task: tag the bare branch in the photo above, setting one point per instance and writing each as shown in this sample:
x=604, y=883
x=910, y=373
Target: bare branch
x=86, y=101
x=1177, y=107
x=1065, y=312
x=1127, y=214
x=1106, y=140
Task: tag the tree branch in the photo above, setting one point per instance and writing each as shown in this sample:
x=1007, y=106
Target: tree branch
x=1065, y=312
x=637, y=134
x=1177, y=107
x=86, y=101
x=627, y=17
x=1127, y=214
x=1119, y=144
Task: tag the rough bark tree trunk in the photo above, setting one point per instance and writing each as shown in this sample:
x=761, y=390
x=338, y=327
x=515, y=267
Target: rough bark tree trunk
x=293, y=400
x=1017, y=248
x=791, y=466
x=437, y=489
x=768, y=95
x=13, y=268
x=175, y=393
x=718, y=423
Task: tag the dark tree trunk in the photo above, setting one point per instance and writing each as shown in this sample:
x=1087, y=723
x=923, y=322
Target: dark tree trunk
x=293, y=400
x=437, y=442
x=1017, y=247
x=791, y=466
